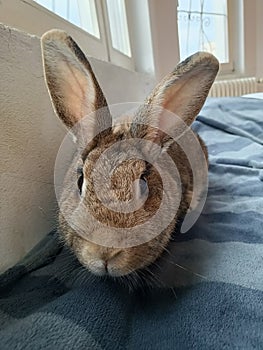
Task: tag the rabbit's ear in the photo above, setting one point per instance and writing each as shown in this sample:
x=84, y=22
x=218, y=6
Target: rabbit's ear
x=183, y=92
x=74, y=90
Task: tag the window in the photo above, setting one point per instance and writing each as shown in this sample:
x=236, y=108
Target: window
x=105, y=21
x=118, y=26
x=203, y=25
x=138, y=34
x=81, y=13
x=117, y=31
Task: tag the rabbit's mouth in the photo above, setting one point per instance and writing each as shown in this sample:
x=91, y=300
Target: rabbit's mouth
x=105, y=262
x=109, y=267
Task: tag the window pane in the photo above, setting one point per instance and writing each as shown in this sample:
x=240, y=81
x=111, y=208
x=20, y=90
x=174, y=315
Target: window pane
x=118, y=26
x=88, y=16
x=61, y=8
x=202, y=26
x=82, y=13
x=189, y=5
x=216, y=6
x=46, y=3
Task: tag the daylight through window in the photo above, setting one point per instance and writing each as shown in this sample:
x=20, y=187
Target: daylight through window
x=203, y=26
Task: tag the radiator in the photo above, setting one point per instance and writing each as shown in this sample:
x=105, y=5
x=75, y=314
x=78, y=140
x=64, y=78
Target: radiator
x=234, y=87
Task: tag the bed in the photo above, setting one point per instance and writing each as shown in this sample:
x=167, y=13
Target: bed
x=49, y=302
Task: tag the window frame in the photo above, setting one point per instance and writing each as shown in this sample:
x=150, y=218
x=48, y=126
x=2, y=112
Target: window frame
x=103, y=45
x=100, y=48
x=228, y=67
x=116, y=56
x=92, y=45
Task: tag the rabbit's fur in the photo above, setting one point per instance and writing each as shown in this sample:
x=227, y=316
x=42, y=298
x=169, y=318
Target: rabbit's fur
x=76, y=93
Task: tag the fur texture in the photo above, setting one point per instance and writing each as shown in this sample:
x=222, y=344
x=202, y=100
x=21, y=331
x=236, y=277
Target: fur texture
x=75, y=93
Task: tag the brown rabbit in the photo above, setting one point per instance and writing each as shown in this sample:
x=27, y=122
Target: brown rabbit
x=75, y=93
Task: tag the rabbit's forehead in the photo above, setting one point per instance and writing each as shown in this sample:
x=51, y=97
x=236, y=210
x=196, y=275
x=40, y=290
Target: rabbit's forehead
x=116, y=149
x=101, y=143
x=116, y=162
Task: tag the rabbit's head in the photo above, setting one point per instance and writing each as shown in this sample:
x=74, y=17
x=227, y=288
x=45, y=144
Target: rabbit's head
x=113, y=189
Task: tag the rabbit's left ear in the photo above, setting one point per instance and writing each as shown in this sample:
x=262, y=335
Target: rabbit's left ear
x=73, y=87
x=183, y=92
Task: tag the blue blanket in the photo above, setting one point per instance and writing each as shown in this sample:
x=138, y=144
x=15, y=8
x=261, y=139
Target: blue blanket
x=48, y=301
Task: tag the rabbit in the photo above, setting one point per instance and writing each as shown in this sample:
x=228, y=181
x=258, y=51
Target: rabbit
x=75, y=93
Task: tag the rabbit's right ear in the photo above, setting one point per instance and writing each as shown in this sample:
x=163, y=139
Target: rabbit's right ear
x=182, y=93
x=73, y=88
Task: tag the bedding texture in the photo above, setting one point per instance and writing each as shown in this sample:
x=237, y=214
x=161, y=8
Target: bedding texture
x=48, y=301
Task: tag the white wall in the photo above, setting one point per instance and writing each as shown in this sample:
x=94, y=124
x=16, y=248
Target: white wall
x=30, y=136
x=259, y=56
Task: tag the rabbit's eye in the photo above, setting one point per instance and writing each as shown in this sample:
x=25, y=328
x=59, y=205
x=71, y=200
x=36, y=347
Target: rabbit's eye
x=80, y=180
x=143, y=185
